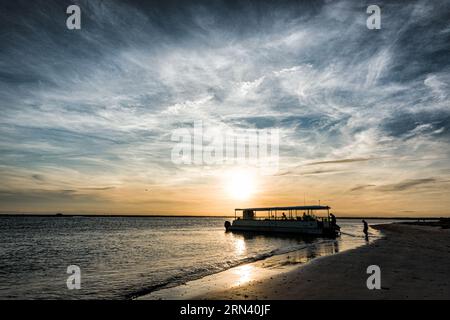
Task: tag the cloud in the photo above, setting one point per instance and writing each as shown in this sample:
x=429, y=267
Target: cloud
x=407, y=185
x=339, y=161
x=44, y=197
x=38, y=177
x=362, y=187
x=307, y=173
x=408, y=125
x=99, y=188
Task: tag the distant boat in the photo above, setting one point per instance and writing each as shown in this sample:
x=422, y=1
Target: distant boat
x=285, y=220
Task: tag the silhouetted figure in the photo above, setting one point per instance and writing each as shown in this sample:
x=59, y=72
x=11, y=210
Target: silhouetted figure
x=366, y=230
x=284, y=216
x=333, y=219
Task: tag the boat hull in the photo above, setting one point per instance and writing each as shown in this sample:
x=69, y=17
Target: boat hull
x=314, y=228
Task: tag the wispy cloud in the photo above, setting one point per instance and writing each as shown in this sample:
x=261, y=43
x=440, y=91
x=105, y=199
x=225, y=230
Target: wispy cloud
x=340, y=161
x=362, y=187
x=407, y=185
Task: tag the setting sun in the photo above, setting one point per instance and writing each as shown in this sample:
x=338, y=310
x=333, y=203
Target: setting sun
x=240, y=184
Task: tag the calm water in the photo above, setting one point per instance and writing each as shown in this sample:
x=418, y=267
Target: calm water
x=128, y=257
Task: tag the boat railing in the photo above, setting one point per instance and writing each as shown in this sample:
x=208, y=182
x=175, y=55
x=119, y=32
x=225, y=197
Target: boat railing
x=307, y=218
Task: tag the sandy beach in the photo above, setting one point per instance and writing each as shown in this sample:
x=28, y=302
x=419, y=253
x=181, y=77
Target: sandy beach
x=414, y=262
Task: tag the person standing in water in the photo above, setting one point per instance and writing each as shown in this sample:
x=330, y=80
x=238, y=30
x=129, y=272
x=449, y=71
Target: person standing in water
x=366, y=230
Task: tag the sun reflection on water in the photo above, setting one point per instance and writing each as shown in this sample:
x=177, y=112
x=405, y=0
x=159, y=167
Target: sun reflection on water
x=240, y=247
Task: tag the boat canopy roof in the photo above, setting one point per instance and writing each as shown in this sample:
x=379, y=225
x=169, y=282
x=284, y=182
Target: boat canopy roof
x=286, y=208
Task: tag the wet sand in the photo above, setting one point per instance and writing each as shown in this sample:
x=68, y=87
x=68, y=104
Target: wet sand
x=414, y=262
x=247, y=273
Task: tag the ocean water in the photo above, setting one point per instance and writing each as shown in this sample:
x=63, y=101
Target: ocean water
x=126, y=257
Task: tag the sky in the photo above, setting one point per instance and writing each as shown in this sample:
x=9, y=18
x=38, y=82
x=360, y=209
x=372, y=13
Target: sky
x=88, y=116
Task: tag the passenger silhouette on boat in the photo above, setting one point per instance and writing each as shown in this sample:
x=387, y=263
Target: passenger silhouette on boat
x=284, y=216
x=366, y=230
x=333, y=219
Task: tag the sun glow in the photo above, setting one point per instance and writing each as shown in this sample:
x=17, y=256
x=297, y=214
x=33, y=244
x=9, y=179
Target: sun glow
x=240, y=184
x=245, y=273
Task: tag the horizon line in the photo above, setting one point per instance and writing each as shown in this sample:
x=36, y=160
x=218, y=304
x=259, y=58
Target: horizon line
x=59, y=215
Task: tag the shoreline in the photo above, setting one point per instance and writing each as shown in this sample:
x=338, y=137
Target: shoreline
x=414, y=262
